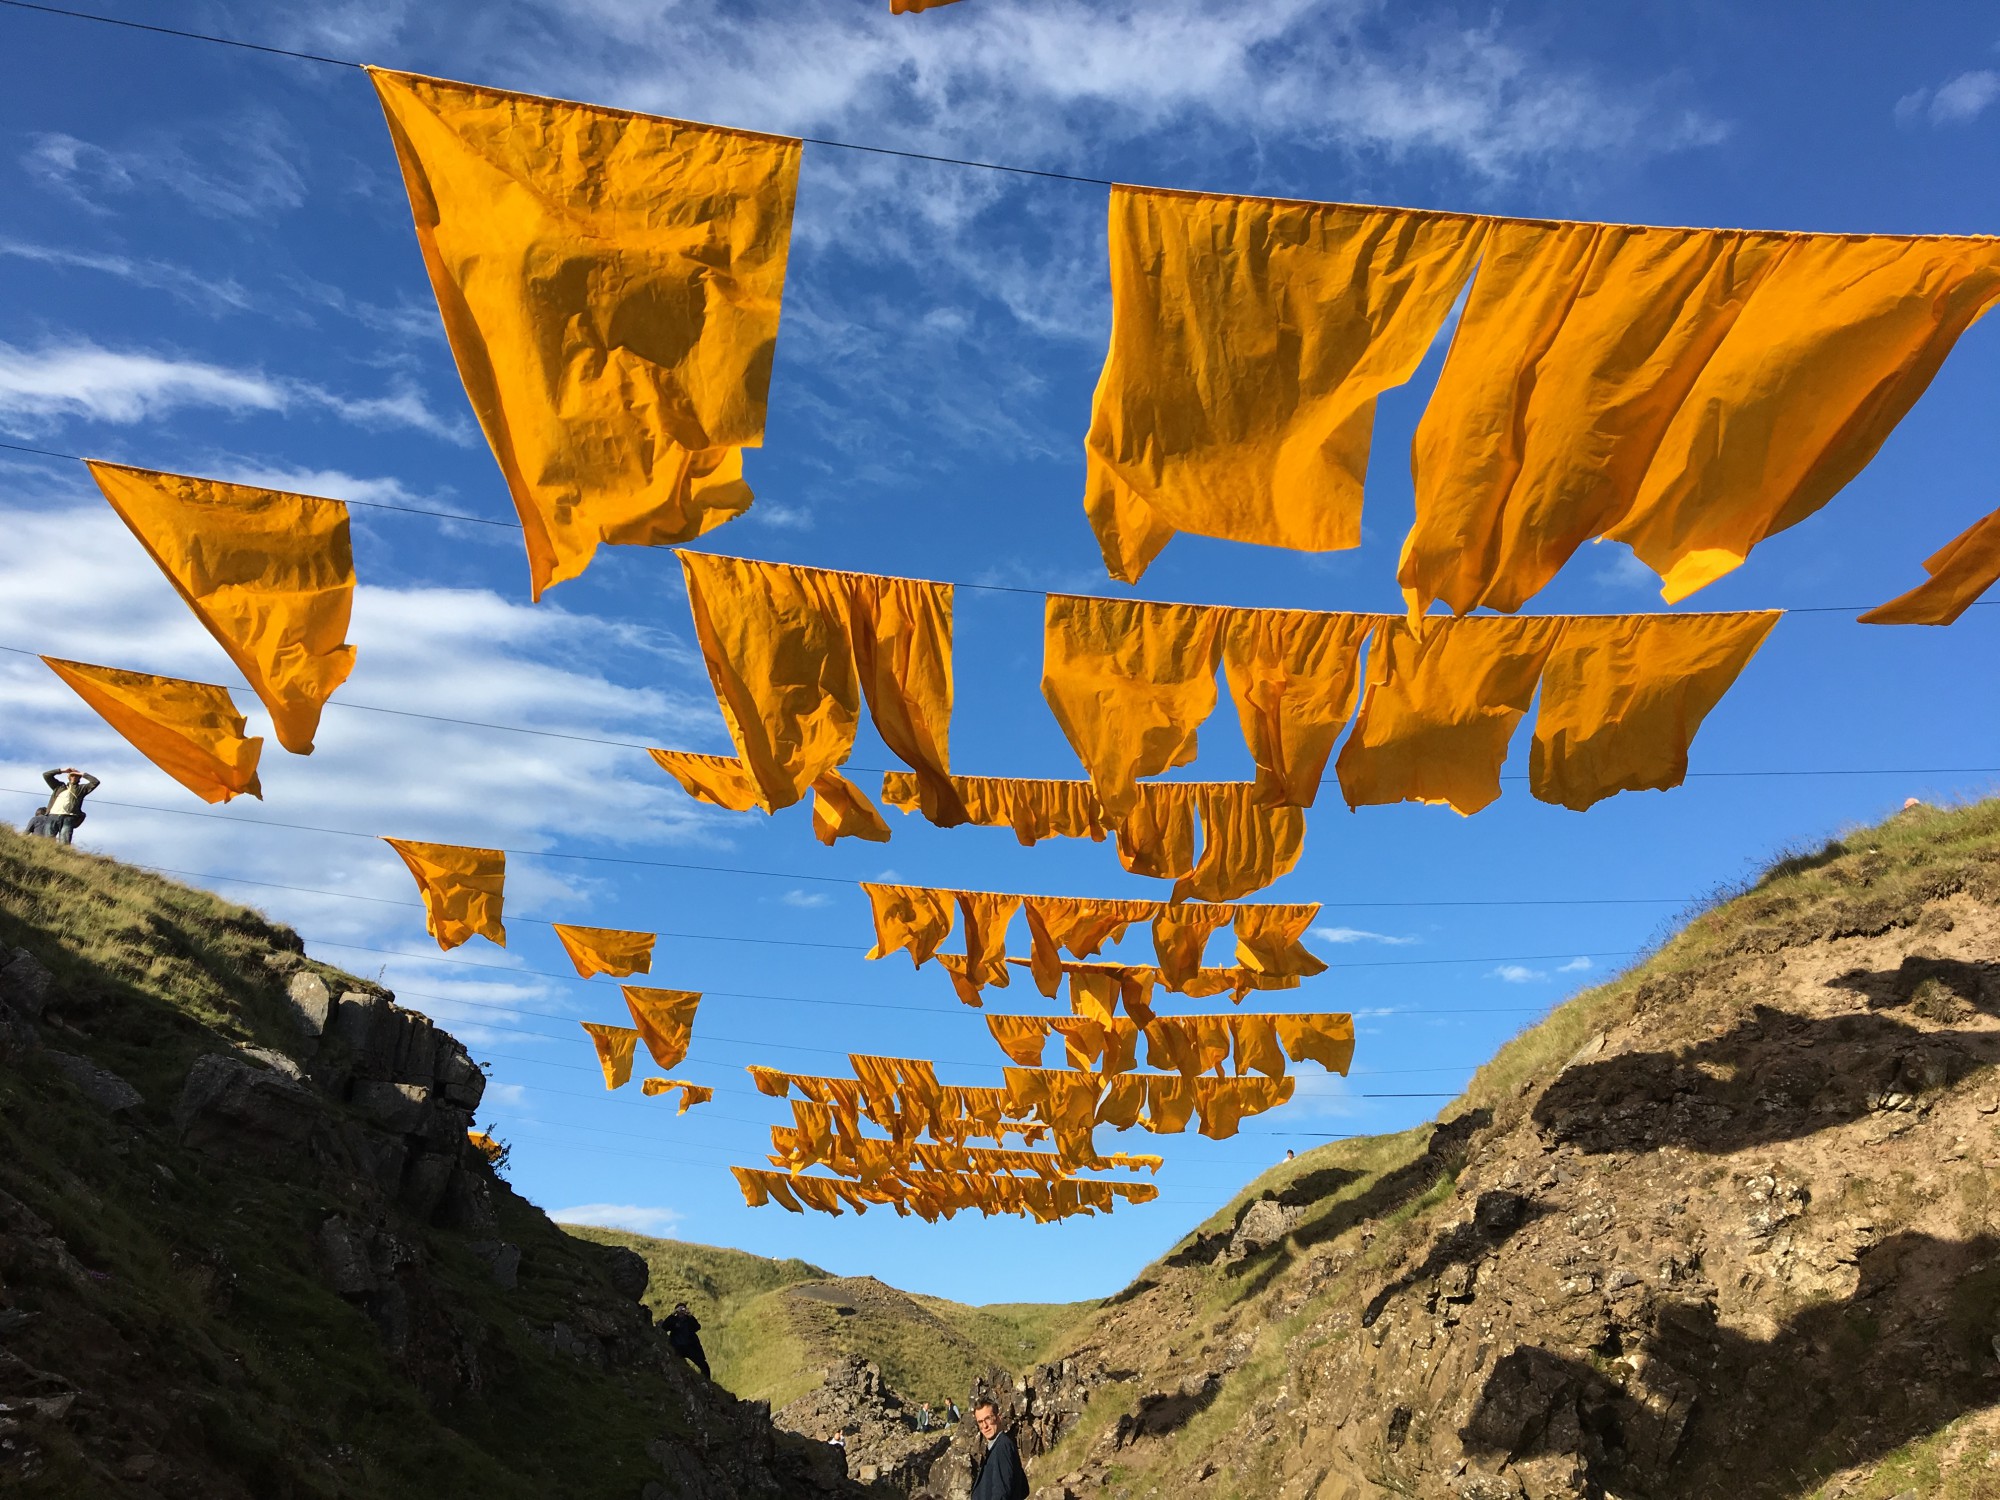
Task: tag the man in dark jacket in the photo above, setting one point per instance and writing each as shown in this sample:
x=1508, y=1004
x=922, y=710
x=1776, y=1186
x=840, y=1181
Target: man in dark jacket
x=684, y=1337
x=66, y=800
x=1000, y=1475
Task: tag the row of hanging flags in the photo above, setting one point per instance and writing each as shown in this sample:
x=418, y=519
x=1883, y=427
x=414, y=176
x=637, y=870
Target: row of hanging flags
x=610, y=284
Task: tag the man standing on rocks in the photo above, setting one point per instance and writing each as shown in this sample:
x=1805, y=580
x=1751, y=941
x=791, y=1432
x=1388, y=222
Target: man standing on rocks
x=66, y=803
x=1000, y=1476
x=684, y=1337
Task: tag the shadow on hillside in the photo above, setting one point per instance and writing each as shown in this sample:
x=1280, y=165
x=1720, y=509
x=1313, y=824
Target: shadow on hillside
x=1842, y=1383
x=1306, y=1188
x=1442, y=1156
x=1942, y=990
x=1776, y=1077
x=1496, y=1217
x=1165, y=1412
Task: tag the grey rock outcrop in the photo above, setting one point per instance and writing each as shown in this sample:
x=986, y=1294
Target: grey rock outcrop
x=231, y=1108
x=628, y=1271
x=26, y=985
x=310, y=999
x=100, y=1086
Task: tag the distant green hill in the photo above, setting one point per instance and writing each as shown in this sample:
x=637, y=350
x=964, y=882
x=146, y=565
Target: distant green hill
x=772, y=1326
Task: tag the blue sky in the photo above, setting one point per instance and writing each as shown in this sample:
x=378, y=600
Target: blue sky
x=207, y=265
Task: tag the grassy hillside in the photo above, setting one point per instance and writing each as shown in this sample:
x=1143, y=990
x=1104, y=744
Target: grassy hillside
x=1724, y=1225
x=170, y=1320
x=770, y=1327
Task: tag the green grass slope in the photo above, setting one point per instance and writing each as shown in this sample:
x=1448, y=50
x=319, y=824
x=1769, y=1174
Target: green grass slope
x=771, y=1327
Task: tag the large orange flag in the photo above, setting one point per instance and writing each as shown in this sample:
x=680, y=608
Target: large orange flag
x=190, y=730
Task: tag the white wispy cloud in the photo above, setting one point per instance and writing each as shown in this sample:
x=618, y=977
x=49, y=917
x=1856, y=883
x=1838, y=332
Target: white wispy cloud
x=1574, y=966
x=806, y=900
x=638, y=1218
x=244, y=168
x=1360, y=935
x=1957, y=101
x=42, y=387
x=210, y=294
x=1516, y=974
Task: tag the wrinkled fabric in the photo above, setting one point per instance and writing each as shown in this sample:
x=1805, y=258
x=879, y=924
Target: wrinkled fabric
x=1441, y=705
x=190, y=730
x=610, y=284
x=1078, y=925
x=1244, y=846
x=792, y=652
x=1961, y=570
x=840, y=808
x=1623, y=695
x=984, y=918
x=1687, y=392
x=1022, y=1038
x=1249, y=340
x=1066, y=1102
x=960, y=969
x=1258, y=1049
x=1327, y=1039
x=1034, y=809
x=1294, y=676
x=664, y=1019
x=605, y=950
x=1268, y=942
x=1097, y=989
x=1170, y=1103
x=909, y=918
x=463, y=889
x=1180, y=936
x=1129, y=682
x=911, y=7
x=615, y=1046
x=270, y=575
x=1222, y=1102
x=691, y=1093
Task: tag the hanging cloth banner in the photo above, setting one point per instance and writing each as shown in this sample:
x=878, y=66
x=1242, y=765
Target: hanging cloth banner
x=610, y=283
x=1963, y=569
x=615, y=1047
x=463, y=889
x=1688, y=392
x=270, y=575
x=911, y=7
x=190, y=730
x=840, y=808
x=793, y=652
x=1131, y=681
x=1250, y=338
x=691, y=1093
x=664, y=1019
x=605, y=950
x=1245, y=845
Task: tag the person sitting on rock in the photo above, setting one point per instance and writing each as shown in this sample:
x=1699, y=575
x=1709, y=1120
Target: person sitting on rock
x=1000, y=1474
x=66, y=806
x=684, y=1337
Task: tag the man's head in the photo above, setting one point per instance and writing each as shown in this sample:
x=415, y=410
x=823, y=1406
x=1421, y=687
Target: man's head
x=987, y=1415
x=680, y=1307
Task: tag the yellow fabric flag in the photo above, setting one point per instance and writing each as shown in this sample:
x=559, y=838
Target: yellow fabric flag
x=462, y=889
x=605, y=950
x=1962, y=570
x=664, y=1019
x=615, y=1046
x=1686, y=391
x=270, y=575
x=190, y=730
x=1181, y=934
x=910, y=7
x=1441, y=706
x=1244, y=845
x=1267, y=941
x=793, y=651
x=1295, y=676
x=1327, y=1039
x=840, y=808
x=1623, y=695
x=691, y=1093
x=610, y=283
x=1129, y=683
x=1034, y=809
x=1250, y=338
x=908, y=916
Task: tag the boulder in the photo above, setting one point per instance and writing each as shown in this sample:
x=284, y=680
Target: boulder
x=503, y=1261
x=627, y=1271
x=396, y=1107
x=344, y=1250
x=232, y=1108
x=311, y=1002
x=26, y=985
x=425, y=1181
x=100, y=1086
x=458, y=1076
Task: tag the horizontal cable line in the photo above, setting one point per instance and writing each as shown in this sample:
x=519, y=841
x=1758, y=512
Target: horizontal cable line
x=343, y=62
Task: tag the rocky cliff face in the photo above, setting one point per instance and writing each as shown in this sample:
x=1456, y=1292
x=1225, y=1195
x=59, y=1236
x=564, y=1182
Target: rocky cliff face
x=1725, y=1227
x=247, y=1250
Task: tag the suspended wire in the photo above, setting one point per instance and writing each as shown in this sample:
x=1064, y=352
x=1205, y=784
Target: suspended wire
x=343, y=62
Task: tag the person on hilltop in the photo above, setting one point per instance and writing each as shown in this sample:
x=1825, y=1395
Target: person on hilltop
x=1000, y=1474
x=924, y=1417
x=684, y=1337
x=41, y=825
x=66, y=803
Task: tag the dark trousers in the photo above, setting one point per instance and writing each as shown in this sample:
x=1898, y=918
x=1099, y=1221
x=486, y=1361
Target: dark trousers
x=65, y=826
x=695, y=1357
